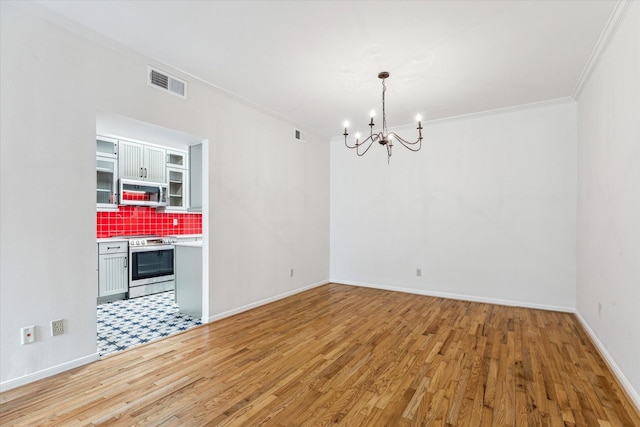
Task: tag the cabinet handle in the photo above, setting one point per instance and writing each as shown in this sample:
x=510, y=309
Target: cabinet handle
x=125, y=262
x=140, y=172
x=112, y=247
x=145, y=172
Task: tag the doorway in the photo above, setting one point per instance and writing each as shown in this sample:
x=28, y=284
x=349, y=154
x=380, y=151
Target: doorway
x=125, y=323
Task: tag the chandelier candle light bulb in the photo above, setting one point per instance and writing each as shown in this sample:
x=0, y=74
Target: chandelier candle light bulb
x=383, y=137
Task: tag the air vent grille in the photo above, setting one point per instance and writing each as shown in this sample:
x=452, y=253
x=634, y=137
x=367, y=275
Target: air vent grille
x=168, y=83
x=159, y=79
x=176, y=86
x=299, y=135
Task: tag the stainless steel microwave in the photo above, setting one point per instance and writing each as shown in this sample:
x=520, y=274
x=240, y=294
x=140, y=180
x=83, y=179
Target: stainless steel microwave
x=142, y=193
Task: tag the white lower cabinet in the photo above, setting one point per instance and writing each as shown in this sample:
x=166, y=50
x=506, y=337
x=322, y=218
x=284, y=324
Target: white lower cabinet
x=189, y=278
x=113, y=268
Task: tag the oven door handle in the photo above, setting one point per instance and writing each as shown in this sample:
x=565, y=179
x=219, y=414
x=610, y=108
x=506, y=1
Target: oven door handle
x=151, y=248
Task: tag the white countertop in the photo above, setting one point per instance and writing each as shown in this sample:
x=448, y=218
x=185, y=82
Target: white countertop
x=192, y=244
x=111, y=239
x=121, y=238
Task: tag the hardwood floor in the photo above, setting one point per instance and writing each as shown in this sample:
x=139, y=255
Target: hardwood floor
x=345, y=355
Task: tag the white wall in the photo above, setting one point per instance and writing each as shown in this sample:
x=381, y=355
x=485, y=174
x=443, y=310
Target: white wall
x=486, y=209
x=608, y=249
x=268, y=196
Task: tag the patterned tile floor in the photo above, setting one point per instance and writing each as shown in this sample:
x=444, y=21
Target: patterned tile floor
x=127, y=323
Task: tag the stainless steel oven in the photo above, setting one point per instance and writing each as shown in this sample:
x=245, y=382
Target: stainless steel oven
x=151, y=265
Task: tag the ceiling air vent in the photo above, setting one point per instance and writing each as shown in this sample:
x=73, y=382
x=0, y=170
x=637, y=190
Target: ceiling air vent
x=166, y=82
x=299, y=136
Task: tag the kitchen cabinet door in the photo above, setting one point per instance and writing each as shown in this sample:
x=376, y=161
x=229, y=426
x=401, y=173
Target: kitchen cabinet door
x=177, y=187
x=113, y=274
x=154, y=164
x=141, y=162
x=131, y=160
x=106, y=183
x=106, y=147
x=177, y=159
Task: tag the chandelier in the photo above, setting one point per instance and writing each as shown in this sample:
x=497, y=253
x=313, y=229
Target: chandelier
x=383, y=137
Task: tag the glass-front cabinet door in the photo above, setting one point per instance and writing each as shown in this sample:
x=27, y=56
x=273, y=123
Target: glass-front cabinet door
x=177, y=190
x=106, y=180
x=106, y=147
x=176, y=158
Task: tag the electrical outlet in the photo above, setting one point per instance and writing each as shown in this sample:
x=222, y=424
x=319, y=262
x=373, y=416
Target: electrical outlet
x=291, y=273
x=418, y=272
x=28, y=334
x=599, y=309
x=175, y=221
x=57, y=327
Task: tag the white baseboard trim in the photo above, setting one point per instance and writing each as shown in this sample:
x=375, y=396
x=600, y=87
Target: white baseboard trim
x=461, y=297
x=54, y=370
x=264, y=301
x=631, y=392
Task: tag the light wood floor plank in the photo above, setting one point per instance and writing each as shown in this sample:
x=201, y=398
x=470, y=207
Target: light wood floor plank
x=344, y=355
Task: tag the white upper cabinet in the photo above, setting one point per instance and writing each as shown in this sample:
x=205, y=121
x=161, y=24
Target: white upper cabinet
x=106, y=173
x=106, y=147
x=177, y=159
x=177, y=187
x=141, y=162
x=155, y=161
x=177, y=179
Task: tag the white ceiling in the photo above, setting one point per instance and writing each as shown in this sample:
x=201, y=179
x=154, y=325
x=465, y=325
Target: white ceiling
x=316, y=62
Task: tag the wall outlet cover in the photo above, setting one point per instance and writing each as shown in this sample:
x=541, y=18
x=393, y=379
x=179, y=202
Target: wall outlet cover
x=57, y=327
x=28, y=334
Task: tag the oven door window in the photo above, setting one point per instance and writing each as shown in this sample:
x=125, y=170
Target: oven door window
x=149, y=264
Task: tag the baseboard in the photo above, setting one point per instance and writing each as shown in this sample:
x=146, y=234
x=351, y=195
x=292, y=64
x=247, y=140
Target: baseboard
x=264, y=301
x=461, y=297
x=626, y=385
x=54, y=370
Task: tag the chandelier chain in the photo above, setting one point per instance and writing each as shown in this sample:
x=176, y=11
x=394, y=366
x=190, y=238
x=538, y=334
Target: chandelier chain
x=384, y=114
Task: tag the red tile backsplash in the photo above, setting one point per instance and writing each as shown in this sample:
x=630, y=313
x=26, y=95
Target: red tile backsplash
x=137, y=220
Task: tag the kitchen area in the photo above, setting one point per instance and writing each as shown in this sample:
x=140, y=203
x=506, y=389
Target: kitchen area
x=149, y=239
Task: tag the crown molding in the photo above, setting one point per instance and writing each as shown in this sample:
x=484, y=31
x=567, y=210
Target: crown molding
x=616, y=18
x=504, y=110
x=479, y=114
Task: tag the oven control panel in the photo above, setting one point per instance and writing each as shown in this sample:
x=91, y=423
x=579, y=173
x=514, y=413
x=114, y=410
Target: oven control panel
x=153, y=241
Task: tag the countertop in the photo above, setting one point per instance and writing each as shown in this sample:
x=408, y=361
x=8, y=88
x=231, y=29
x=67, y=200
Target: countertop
x=111, y=239
x=122, y=238
x=192, y=244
